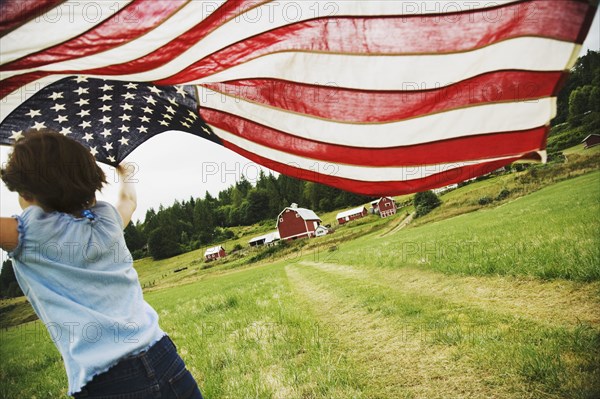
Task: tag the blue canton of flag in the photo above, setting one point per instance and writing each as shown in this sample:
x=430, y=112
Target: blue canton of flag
x=109, y=117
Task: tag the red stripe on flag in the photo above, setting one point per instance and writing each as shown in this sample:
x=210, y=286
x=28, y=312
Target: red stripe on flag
x=455, y=150
x=434, y=34
x=131, y=22
x=380, y=188
x=179, y=44
x=15, y=83
x=17, y=12
x=349, y=105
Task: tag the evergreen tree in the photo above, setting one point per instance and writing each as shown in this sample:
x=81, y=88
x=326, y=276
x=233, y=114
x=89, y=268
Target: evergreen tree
x=134, y=238
x=163, y=244
x=204, y=223
x=243, y=186
x=258, y=206
x=274, y=193
x=9, y=288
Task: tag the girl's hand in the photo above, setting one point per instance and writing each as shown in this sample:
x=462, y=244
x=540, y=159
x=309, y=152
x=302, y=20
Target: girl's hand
x=125, y=171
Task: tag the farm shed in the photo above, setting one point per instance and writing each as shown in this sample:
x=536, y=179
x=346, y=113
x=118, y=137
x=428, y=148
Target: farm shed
x=294, y=222
x=321, y=231
x=591, y=140
x=441, y=190
x=351, y=214
x=266, y=239
x=214, y=253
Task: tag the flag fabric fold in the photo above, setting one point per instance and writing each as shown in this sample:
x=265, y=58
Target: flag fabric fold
x=374, y=97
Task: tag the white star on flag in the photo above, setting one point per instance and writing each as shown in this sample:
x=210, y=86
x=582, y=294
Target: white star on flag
x=33, y=112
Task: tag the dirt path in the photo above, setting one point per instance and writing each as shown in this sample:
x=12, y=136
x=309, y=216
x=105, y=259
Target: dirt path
x=554, y=302
x=400, y=225
x=393, y=364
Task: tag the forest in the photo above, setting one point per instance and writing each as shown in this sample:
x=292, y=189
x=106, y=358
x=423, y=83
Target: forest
x=197, y=222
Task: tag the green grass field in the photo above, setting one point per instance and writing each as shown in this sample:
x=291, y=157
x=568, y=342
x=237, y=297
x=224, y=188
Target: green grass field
x=579, y=149
x=501, y=302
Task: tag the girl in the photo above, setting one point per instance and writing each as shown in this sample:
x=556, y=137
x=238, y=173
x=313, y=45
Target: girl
x=71, y=261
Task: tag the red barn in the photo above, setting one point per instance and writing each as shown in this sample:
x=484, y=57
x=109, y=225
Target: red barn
x=214, y=253
x=294, y=222
x=386, y=207
x=351, y=214
x=591, y=140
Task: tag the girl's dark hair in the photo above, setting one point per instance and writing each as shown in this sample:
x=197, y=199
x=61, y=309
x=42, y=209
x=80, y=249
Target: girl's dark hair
x=58, y=172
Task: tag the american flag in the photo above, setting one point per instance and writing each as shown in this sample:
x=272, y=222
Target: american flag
x=374, y=97
x=110, y=117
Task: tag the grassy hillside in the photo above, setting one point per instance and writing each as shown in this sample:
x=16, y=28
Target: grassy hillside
x=501, y=302
x=552, y=233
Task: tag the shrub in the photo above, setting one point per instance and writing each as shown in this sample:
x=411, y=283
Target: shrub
x=503, y=195
x=138, y=254
x=485, y=200
x=425, y=202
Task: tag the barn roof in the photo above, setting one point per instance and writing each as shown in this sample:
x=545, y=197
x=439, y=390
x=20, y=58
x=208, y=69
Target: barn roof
x=350, y=212
x=304, y=213
x=213, y=250
x=377, y=201
x=591, y=135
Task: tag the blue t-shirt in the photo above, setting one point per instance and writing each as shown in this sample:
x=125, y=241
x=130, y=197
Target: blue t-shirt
x=78, y=276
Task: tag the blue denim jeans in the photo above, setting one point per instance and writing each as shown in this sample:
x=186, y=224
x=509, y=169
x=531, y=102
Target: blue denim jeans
x=158, y=372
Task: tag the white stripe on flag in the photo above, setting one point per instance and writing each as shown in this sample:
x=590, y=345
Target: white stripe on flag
x=251, y=23
x=400, y=72
x=179, y=23
x=482, y=119
x=58, y=25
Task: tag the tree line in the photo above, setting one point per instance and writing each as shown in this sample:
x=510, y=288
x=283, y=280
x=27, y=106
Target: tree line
x=581, y=93
x=198, y=222
x=578, y=113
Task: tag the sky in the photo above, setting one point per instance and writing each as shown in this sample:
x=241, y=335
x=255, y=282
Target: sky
x=177, y=166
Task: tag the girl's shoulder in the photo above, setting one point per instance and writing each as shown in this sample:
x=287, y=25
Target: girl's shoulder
x=106, y=210
x=35, y=216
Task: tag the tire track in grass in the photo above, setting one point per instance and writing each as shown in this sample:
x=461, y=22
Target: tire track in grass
x=392, y=363
x=553, y=303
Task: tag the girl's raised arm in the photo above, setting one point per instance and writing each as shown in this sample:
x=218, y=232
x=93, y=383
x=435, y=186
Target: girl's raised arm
x=127, y=201
x=9, y=235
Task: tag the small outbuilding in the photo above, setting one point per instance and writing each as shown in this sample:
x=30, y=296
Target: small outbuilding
x=321, y=231
x=352, y=214
x=294, y=222
x=444, y=189
x=214, y=253
x=591, y=140
x=266, y=239
x=385, y=206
